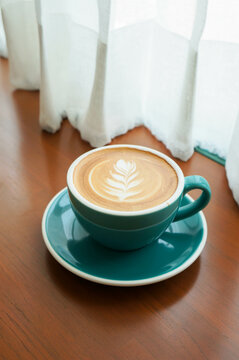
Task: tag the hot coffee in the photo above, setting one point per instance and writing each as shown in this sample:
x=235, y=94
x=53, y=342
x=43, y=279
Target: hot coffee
x=125, y=179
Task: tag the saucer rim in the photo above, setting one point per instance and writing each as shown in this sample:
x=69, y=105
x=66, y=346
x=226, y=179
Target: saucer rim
x=123, y=283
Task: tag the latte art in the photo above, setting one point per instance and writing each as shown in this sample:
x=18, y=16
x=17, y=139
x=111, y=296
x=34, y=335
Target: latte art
x=124, y=179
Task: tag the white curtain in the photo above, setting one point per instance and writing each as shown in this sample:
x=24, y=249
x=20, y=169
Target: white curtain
x=110, y=65
x=3, y=45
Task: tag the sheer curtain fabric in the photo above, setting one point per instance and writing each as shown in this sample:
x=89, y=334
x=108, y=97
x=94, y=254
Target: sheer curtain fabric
x=111, y=65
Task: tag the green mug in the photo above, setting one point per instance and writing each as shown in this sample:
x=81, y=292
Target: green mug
x=130, y=230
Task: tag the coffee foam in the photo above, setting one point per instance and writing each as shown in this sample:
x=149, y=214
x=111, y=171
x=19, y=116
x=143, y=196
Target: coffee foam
x=125, y=179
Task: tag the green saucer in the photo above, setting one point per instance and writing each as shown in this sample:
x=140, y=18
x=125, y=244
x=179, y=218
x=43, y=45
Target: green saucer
x=74, y=249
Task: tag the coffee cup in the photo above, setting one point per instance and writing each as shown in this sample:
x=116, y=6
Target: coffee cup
x=126, y=196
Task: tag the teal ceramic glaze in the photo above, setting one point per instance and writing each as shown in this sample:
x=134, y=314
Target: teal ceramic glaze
x=176, y=249
x=121, y=222
x=124, y=239
x=191, y=183
x=133, y=230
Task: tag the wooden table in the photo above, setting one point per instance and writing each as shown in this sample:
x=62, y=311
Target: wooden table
x=49, y=313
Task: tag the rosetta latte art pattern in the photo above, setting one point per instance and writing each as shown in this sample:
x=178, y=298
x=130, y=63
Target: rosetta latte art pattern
x=123, y=181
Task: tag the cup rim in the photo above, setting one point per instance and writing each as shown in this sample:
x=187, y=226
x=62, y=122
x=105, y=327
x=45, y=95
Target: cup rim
x=103, y=210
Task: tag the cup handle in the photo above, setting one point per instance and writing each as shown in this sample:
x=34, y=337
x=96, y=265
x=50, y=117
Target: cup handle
x=191, y=183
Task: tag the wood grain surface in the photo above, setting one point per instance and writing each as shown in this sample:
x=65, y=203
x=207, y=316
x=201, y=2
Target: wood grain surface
x=49, y=313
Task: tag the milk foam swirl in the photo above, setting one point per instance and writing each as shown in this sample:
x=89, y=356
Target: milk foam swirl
x=126, y=180
x=123, y=180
